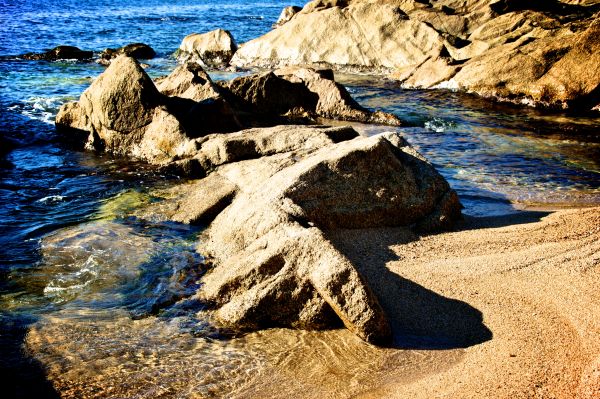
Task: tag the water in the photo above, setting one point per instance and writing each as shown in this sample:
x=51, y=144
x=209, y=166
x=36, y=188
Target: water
x=94, y=293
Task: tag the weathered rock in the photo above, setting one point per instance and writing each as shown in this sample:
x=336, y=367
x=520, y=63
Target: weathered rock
x=120, y=104
x=139, y=51
x=299, y=92
x=124, y=113
x=60, y=53
x=286, y=14
x=211, y=49
x=494, y=48
x=275, y=267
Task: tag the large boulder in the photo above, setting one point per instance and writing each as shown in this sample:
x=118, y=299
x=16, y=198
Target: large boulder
x=509, y=50
x=60, y=53
x=274, y=263
x=211, y=49
x=116, y=108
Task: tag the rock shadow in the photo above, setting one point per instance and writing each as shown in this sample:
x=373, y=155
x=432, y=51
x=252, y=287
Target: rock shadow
x=23, y=377
x=420, y=318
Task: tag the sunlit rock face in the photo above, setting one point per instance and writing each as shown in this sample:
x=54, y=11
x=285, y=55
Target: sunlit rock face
x=124, y=112
x=538, y=53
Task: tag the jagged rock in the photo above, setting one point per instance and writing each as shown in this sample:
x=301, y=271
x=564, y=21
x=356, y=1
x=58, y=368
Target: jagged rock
x=212, y=49
x=188, y=81
x=298, y=92
x=495, y=48
x=286, y=14
x=124, y=113
x=60, y=53
x=274, y=263
x=116, y=108
x=139, y=51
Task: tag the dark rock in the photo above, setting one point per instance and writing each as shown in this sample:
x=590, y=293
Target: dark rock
x=139, y=51
x=61, y=53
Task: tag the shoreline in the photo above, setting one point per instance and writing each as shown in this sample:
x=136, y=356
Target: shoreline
x=504, y=306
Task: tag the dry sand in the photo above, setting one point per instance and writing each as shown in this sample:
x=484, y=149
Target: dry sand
x=521, y=293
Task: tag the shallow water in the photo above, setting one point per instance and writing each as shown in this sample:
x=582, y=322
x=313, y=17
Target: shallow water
x=93, y=293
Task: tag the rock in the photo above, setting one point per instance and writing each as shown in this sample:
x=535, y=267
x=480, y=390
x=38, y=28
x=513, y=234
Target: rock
x=120, y=104
x=274, y=263
x=286, y=14
x=188, y=81
x=495, y=48
x=139, y=51
x=60, y=53
x=574, y=80
x=360, y=36
x=124, y=113
x=211, y=49
x=297, y=92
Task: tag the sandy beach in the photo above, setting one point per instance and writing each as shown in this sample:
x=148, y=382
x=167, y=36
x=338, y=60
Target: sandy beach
x=533, y=279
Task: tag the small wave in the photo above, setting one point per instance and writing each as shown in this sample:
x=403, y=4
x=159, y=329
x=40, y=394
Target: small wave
x=439, y=125
x=42, y=109
x=51, y=199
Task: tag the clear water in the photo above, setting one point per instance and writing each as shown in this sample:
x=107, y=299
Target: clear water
x=92, y=292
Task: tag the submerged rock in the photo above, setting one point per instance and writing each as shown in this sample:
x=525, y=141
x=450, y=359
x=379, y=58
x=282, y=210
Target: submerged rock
x=509, y=50
x=60, y=53
x=139, y=51
x=211, y=49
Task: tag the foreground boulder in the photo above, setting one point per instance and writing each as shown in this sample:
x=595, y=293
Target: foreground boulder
x=139, y=51
x=61, y=53
x=270, y=199
x=212, y=49
x=509, y=50
x=124, y=112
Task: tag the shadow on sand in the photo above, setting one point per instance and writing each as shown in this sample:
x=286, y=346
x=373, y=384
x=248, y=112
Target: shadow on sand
x=420, y=318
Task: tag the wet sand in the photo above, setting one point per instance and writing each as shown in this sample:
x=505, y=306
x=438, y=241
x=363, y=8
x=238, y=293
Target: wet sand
x=504, y=307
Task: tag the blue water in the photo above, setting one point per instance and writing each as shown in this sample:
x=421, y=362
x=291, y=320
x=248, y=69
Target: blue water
x=494, y=155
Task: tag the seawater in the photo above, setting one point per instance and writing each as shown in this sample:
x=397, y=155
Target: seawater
x=90, y=296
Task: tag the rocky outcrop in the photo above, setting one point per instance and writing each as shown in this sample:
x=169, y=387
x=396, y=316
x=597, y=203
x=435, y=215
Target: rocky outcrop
x=123, y=111
x=270, y=198
x=139, y=51
x=212, y=49
x=506, y=49
x=60, y=53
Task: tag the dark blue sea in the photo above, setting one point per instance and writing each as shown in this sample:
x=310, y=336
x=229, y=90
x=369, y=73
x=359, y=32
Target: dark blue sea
x=72, y=262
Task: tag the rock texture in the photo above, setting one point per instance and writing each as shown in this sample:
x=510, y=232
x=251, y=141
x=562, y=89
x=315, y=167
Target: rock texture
x=124, y=112
x=60, y=53
x=269, y=195
x=270, y=199
x=535, y=52
x=211, y=49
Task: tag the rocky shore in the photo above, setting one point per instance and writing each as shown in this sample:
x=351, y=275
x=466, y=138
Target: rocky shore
x=313, y=227
x=270, y=195
x=536, y=53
